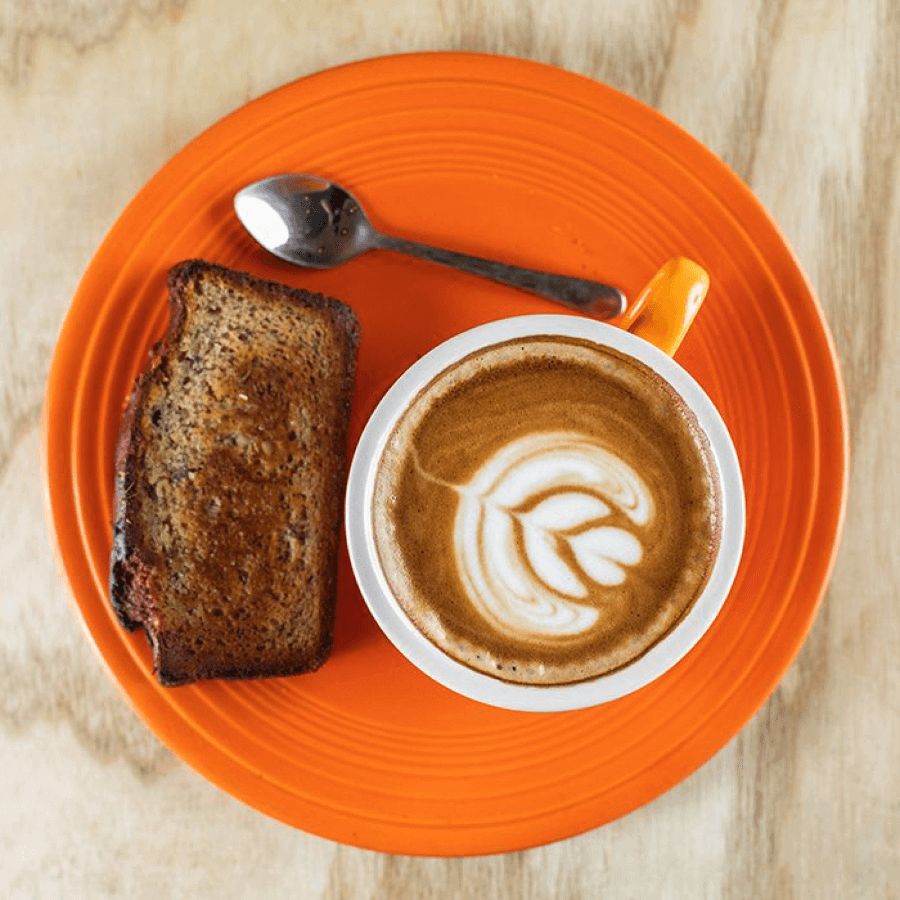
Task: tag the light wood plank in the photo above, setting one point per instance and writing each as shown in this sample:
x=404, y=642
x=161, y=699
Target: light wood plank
x=801, y=98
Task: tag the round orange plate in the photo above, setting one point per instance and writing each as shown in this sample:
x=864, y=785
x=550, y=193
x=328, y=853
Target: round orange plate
x=521, y=162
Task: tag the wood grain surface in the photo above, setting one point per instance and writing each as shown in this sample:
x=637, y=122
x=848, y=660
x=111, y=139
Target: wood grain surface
x=802, y=99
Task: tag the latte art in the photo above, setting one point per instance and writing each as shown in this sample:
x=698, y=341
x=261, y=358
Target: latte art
x=546, y=510
x=529, y=534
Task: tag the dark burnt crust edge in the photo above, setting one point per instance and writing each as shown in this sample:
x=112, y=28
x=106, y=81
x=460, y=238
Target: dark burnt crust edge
x=130, y=595
x=174, y=677
x=129, y=591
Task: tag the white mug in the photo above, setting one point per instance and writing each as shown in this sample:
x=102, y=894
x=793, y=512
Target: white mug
x=436, y=663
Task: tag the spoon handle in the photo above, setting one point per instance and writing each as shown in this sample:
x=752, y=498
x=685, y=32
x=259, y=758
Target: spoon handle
x=591, y=297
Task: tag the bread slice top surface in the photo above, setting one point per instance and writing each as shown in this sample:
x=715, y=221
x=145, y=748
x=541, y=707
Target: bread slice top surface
x=233, y=465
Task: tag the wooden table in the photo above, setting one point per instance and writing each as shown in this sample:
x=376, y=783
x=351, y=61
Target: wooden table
x=802, y=99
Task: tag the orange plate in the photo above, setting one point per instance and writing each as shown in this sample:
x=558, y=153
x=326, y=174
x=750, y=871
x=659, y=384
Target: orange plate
x=522, y=162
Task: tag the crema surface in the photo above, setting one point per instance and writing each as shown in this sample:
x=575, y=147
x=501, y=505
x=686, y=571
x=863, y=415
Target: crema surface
x=546, y=510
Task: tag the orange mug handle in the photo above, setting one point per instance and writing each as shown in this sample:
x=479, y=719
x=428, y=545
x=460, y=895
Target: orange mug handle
x=665, y=308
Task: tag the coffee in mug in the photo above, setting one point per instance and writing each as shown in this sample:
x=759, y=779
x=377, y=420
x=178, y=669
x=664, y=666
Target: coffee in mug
x=546, y=510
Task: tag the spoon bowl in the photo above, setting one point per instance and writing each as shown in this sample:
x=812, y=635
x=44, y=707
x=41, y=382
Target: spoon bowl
x=305, y=220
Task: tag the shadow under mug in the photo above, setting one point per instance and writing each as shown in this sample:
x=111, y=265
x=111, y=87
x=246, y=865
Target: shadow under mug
x=650, y=330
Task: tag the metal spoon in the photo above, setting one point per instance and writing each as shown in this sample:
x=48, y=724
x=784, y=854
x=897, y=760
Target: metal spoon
x=308, y=221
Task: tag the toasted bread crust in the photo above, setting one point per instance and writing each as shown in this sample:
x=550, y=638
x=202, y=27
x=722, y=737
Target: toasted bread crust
x=144, y=567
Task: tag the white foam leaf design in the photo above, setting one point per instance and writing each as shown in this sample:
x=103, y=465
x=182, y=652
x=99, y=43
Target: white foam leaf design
x=603, y=551
x=506, y=572
x=567, y=510
x=527, y=588
x=540, y=548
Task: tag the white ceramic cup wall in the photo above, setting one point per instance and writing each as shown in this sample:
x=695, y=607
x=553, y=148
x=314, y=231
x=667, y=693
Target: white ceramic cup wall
x=430, y=658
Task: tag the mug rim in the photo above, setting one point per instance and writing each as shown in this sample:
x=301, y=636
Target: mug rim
x=436, y=663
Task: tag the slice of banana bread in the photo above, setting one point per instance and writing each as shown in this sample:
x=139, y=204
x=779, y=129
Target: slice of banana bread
x=230, y=476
